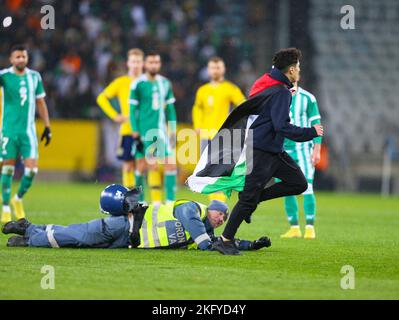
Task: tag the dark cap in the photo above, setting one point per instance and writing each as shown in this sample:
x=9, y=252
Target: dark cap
x=219, y=206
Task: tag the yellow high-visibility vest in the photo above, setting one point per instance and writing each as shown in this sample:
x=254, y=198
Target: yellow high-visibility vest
x=161, y=229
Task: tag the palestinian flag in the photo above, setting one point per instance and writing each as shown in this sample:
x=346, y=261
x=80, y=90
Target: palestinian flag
x=226, y=160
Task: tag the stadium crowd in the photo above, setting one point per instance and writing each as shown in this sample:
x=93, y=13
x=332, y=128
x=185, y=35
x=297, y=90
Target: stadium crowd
x=88, y=47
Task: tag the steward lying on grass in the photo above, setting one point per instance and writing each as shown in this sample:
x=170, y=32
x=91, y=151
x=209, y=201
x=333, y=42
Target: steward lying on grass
x=133, y=224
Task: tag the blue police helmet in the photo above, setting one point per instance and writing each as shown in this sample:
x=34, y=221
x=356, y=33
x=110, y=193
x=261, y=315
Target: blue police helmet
x=112, y=200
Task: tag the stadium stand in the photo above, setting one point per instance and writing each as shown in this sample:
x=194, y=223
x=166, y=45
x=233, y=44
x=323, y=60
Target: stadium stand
x=87, y=48
x=360, y=107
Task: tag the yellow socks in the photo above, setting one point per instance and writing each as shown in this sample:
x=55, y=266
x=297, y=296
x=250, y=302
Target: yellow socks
x=128, y=179
x=155, y=185
x=6, y=215
x=218, y=196
x=18, y=207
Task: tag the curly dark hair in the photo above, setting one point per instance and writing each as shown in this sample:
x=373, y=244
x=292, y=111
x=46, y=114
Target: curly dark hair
x=285, y=58
x=18, y=47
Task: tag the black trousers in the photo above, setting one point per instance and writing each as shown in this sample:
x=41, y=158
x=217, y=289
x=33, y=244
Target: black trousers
x=265, y=166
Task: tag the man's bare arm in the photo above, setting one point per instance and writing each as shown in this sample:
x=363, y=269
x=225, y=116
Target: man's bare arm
x=43, y=111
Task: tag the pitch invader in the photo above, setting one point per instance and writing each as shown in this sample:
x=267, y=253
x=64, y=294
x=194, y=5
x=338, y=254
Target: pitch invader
x=23, y=93
x=304, y=112
x=120, y=88
x=153, y=120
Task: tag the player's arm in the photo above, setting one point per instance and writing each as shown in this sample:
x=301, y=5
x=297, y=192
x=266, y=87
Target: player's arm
x=42, y=109
x=197, y=113
x=314, y=118
x=134, y=100
x=103, y=98
x=191, y=221
x=44, y=115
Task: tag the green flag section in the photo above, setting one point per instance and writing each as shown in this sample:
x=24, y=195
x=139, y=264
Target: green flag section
x=209, y=177
x=226, y=184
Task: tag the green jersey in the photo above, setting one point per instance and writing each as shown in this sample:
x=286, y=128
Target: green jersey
x=19, y=94
x=152, y=104
x=304, y=112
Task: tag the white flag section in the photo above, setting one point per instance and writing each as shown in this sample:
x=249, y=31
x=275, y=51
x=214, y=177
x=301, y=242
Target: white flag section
x=235, y=181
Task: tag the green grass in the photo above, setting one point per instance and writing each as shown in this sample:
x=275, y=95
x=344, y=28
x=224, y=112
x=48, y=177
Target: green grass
x=357, y=230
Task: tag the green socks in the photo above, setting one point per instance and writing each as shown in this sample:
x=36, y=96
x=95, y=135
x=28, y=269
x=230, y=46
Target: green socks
x=140, y=182
x=26, y=182
x=291, y=209
x=309, y=205
x=170, y=185
x=7, y=174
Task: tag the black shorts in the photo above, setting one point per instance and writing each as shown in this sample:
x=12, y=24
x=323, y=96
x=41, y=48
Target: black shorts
x=125, y=148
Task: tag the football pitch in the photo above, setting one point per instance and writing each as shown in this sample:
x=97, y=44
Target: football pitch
x=356, y=230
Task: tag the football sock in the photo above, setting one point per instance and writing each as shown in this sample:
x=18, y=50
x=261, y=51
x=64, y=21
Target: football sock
x=7, y=174
x=291, y=209
x=154, y=184
x=6, y=215
x=26, y=181
x=309, y=205
x=217, y=196
x=170, y=185
x=128, y=179
x=18, y=207
x=140, y=182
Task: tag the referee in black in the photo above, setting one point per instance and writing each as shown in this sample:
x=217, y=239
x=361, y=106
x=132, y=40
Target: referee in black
x=269, y=158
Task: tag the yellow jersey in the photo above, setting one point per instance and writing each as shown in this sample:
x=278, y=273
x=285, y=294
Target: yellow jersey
x=119, y=88
x=212, y=106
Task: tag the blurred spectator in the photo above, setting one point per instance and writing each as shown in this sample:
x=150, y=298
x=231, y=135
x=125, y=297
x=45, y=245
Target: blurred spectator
x=88, y=46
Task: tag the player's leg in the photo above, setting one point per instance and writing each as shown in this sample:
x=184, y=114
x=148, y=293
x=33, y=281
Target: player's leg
x=125, y=155
x=7, y=174
x=170, y=176
x=9, y=152
x=140, y=175
x=29, y=152
x=168, y=157
x=291, y=208
x=154, y=181
x=30, y=171
x=1, y=167
x=128, y=174
x=309, y=200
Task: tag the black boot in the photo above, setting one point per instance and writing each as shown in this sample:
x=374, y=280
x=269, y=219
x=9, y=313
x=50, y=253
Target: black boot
x=17, y=227
x=226, y=247
x=248, y=218
x=17, y=241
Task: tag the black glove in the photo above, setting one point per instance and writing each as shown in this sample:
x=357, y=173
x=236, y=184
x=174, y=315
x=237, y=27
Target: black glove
x=261, y=243
x=46, y=135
